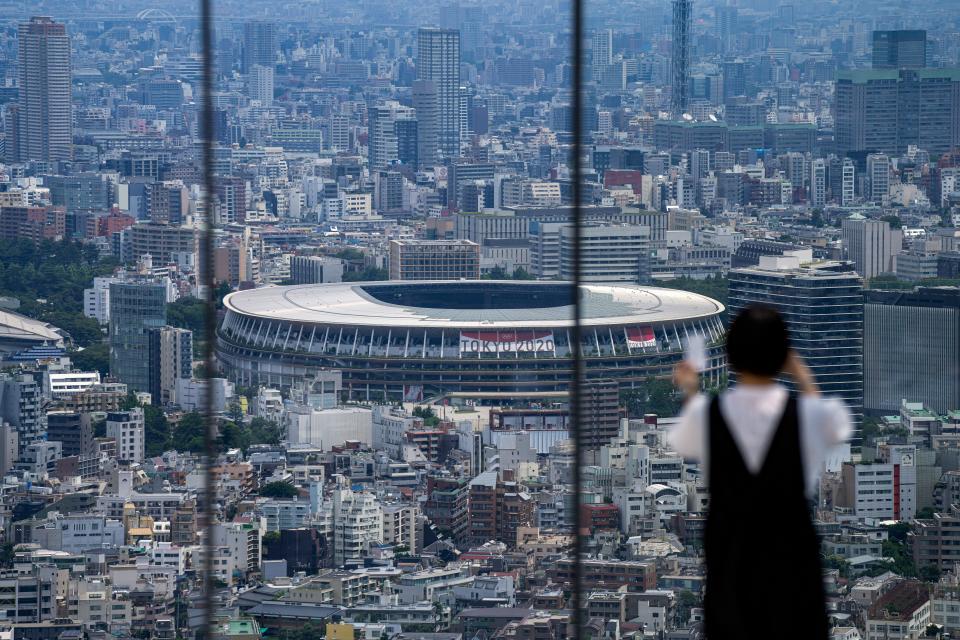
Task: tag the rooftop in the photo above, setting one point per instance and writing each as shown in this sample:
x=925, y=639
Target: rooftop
x=478, y=304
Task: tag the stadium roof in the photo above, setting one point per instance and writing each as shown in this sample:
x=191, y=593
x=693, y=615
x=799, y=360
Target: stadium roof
x=21, y=329
x=474, y=304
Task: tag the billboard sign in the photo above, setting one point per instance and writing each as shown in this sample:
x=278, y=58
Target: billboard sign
x=640, y=337
x=506, y=342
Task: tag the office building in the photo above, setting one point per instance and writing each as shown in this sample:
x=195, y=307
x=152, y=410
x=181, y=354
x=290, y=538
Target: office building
x=871, y=245
x=128, y=431
x=438, y=61
x=910, y=344
x=44, y=116
x=315, y=269
x=259, y=44
x=680, y=59
x=434, y=260
x=904, y=49
x=171, y=359
x=136, y=307
x=609, y=253
x=822, y=303
x=888, y=110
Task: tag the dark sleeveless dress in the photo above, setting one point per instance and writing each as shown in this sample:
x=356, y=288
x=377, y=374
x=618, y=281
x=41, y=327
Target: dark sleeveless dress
x=764, y=576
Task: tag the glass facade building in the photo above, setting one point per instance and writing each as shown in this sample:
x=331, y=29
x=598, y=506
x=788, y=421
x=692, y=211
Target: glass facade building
x=823, y=306
x=136, y=308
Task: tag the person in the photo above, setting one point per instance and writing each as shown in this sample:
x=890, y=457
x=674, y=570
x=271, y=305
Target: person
x=761, y=448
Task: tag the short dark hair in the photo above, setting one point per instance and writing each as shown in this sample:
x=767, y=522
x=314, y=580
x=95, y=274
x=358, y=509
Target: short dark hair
x=758, y=341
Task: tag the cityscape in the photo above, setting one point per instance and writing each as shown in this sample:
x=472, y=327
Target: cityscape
x=362, y=321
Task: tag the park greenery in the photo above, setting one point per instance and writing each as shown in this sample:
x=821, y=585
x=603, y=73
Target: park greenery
x=48, y=278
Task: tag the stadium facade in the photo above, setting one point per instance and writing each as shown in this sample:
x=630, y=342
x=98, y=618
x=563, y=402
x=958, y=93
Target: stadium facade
x=501, y=341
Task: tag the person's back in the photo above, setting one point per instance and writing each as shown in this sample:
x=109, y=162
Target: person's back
x=762, y=451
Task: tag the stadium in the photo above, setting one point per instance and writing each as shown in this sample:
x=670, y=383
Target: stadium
x=486, y=340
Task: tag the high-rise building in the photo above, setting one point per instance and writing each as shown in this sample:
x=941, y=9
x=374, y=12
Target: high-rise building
x=259, y=44
x=818, y=183
x=44, y=117
x=498, y=508
x=383, y=140
x=910, y=344
x=171, y=359
x=878, y=178
x=888, y=110
x=136, y=307
x=601, y=52
x=434, y=260
x=260, y=84
x=822, y=303
x=871, y=245
x=682, y=22
x=425, y=102
x=848, y=182
x=438, y=60
x=357, y=523
x=127, y=428
x=168, y=202
x=726, y=16
x=904, y=49
x=21, y=402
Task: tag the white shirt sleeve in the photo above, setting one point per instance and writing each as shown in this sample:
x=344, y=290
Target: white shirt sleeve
x=688, y=435
x=829, y=418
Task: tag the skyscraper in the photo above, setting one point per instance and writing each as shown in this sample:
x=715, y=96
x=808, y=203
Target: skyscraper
x=44, y=127
x=260, y=84
x=682, y=17
x=726, y=25
x=259, y=44
x=438, y=60
x=601, y=52
x=822, y=303
x=911, y=340
x=887, y=110
x=878, y=177
x=899, y=49
x=383, y=141
x=136, y=307
x=425, y=104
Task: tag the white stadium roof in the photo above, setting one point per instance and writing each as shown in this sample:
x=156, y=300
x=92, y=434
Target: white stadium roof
x=353, y=304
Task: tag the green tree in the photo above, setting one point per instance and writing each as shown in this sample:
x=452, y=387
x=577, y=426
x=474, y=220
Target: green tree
x=895, y=222
x=95, y=357
x=188, y=433
x=929, y=573
x=282, y=490
x=428, y=415
x=156, y=430
x=655, y=395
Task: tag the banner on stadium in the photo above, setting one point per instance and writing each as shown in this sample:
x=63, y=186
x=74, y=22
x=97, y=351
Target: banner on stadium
x=639, y=337
x=506, y=342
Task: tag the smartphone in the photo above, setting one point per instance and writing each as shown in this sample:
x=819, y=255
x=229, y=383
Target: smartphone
x=696, y=353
